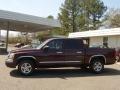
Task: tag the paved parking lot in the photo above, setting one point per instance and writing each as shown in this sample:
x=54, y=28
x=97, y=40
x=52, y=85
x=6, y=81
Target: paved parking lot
x=59, y=79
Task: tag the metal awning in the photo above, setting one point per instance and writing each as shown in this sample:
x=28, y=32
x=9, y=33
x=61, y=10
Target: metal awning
x=25, y=23
x=12, y=21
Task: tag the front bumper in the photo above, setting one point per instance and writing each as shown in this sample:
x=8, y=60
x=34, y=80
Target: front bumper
x=10, y=64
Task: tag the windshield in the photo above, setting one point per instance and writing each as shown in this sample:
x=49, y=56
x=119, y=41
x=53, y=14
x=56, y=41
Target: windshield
x=43, y=44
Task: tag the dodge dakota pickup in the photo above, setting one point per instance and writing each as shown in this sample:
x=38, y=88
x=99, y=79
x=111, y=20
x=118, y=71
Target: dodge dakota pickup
x=61, y=52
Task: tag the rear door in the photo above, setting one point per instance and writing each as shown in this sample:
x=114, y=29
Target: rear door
x=74, y=51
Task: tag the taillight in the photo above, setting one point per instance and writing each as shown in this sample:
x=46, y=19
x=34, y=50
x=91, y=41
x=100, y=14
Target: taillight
x=117, y=54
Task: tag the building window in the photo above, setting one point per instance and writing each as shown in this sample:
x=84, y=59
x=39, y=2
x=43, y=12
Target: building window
x=86, y=41
x=105, y=42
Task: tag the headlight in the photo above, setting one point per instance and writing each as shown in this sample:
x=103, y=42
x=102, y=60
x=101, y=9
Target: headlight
x=11, y=56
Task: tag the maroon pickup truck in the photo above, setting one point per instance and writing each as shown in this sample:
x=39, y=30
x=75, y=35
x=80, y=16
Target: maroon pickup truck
x=62, y=52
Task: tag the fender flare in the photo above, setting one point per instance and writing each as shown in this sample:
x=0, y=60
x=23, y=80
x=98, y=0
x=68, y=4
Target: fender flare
x=93, y=56
x=32, y=57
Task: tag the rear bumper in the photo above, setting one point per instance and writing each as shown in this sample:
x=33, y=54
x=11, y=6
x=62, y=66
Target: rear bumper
x=119, y=60
x=10, y=64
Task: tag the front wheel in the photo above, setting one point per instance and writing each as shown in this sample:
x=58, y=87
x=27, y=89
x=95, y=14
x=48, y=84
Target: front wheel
x=97, y=66
x=26, y=67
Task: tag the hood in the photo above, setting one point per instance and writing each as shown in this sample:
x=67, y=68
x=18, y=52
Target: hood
x=23, y=50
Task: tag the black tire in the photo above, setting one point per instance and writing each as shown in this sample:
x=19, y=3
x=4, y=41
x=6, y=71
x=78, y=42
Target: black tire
x=83, y=67
x=97, y=66
x=29, y=67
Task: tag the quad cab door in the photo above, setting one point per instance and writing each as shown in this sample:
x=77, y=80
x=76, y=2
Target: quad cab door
x=54, y=55
x=74, y=51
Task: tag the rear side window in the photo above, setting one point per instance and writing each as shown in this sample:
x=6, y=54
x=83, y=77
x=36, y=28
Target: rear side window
x=73, y=44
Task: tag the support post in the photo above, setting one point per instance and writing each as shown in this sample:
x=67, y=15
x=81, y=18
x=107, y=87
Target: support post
x=0, y=36
x=7, y=36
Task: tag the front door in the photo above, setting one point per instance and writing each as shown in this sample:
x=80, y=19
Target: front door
x=54, y=56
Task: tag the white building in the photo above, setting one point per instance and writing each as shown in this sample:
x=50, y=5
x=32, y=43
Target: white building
x=105, y=37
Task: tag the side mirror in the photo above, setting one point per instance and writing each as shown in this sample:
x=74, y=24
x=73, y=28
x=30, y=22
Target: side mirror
x=45, y=48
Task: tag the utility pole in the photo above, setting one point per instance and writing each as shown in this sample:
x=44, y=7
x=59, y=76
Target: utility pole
x=0, y=36
x=7, y=37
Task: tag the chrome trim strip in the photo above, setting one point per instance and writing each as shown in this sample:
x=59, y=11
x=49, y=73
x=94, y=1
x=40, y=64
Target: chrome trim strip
x=60, y=62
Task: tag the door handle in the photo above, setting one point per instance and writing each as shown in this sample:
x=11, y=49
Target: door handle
x=79, y=52
x=59, y=52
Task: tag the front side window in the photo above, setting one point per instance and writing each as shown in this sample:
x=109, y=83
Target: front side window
x=55, y=44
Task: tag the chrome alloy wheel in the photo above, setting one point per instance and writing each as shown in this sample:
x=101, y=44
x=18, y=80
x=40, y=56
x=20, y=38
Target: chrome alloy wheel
x=97, y=66
x=26, y=68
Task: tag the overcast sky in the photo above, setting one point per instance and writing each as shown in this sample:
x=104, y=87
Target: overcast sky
x=42, y=8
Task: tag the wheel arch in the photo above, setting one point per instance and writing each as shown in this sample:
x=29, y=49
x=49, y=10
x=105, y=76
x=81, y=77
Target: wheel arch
x=23, y=58
x=101, y=57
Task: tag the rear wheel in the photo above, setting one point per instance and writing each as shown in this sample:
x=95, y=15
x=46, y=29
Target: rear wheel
x=26, y=67
x=97, y=66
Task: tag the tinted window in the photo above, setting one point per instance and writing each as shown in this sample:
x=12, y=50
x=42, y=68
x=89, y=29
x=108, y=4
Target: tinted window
x=55, y=44
x=73, y=44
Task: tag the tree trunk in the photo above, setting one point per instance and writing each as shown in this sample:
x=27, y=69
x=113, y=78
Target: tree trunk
x=94, y=21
